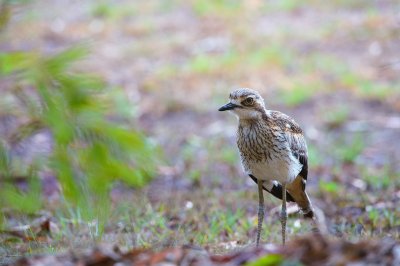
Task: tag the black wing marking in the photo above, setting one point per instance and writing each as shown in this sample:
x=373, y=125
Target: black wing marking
x=276, y=190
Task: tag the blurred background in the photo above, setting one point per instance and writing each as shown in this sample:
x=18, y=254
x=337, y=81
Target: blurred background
x=120, y=98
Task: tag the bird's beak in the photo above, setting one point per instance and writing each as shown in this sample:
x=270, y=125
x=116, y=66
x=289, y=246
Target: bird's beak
x=228, y=106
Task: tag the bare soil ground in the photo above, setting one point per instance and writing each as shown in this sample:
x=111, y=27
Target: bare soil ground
x=334, y=67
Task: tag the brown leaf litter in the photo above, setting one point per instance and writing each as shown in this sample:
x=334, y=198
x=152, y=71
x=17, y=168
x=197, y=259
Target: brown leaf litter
x=309, y=250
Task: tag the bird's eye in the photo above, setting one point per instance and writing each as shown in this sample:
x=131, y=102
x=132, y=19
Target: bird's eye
x=248, y=101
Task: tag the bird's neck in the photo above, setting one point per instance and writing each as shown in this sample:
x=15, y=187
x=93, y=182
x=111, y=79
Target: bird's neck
x=253, y=117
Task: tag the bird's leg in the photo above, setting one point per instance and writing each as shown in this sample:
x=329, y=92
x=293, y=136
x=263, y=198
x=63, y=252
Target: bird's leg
x=283, y=214
x=260, y=209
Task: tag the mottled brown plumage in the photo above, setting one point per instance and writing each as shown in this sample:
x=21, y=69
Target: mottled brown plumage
x=273, y=152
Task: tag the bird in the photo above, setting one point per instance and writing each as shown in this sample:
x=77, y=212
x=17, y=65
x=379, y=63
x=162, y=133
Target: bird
x=273, y=153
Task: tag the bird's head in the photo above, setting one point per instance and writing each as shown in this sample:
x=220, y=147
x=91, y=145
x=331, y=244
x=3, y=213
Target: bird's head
x=245, y=103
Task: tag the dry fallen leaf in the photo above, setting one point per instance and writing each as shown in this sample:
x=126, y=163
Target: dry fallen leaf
x=38, y=230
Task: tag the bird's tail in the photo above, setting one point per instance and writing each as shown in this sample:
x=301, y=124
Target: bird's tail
x=297, y=190
x=305, y=205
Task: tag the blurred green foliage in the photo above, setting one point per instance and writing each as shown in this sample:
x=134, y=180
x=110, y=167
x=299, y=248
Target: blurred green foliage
x=90, y=149
x=110, y=10
x=225, y=7
x=329, y=187
x=270, y=259
x=349, y=152
x=337, y=116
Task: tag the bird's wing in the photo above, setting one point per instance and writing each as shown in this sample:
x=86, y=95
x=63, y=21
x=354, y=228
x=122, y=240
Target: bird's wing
x=298, y=147
x=294, y=135
x=299, y=150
